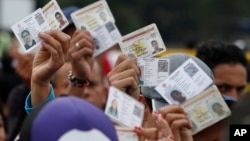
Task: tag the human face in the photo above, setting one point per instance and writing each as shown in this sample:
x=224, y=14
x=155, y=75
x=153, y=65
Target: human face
x=178, y=97
x=96, y=92
x=26, y=37
x=114, y=104
x=231, y=79
x=59, y=18
x=155, y=45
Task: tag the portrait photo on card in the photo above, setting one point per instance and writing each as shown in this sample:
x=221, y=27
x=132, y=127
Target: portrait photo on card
x=27, y=39
x=113, y=108
x=191, y=69
x=60, y=19
x=141, y=81
x=155, y=45
x=217, y=109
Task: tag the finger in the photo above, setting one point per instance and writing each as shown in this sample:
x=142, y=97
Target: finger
x=147, y=133
x=81, y=34
x=125, y=64
x=174, y=116
x=176, y=127
x=171, y=109
x=55, y=56
x=79, y=54
x=163, y=126
x=124, y=74
x=51, y=42
x=120, y=59
x=124, y=84
x=62, y=38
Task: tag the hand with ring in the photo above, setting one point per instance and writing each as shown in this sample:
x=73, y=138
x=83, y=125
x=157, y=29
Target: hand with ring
x=81, y=53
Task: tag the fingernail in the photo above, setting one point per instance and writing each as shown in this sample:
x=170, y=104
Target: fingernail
x=137, y=128
x=170, y=138
x=156, y=112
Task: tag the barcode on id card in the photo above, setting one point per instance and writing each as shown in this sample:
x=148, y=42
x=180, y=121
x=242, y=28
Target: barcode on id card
x=39, y=18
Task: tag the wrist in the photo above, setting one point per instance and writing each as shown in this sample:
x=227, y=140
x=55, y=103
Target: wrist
x=77, y=81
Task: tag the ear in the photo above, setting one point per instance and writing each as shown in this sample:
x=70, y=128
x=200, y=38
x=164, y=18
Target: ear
x=147, y=111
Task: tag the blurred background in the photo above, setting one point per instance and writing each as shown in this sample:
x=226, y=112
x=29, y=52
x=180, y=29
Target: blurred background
x=181, y=22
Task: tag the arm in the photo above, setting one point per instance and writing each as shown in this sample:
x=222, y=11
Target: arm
x=47, y=61
x=81, y=58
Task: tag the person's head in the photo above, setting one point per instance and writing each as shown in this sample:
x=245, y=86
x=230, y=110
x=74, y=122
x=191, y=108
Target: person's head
x=60, y=80
x=67, y=118
x=26, y=36
x=154, y=44
x=114, y=104
x=177, y=96
x=59, y=17
x=96, y=92
x=229, y=66
x=218, y=108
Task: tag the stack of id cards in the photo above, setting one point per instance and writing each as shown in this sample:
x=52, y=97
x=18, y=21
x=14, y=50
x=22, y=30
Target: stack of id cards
x=190, y=87
x=142, y=43
x=125, y=111
x=99, y=21
x=153, y=71
x=43, y=19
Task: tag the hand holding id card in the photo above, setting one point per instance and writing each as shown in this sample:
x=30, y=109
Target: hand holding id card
x=185, y=82
x=206, y=108
x=144, y=42
x=123, y=109
x=41, y=20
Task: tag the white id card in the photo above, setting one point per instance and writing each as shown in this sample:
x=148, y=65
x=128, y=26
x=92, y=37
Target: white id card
x=153, y=71
x=206, y=109
x=26, y=30
x=126, y=134
x=99, y=21
x=144, y=42
x=54, y=16
x=123, y=109
x=185, y=82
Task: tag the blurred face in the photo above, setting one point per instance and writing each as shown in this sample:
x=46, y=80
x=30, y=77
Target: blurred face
x=114, y=104
x=26, y=37
x=178, y=97
x=96, y=92
x=218, y=109
x=231, y=79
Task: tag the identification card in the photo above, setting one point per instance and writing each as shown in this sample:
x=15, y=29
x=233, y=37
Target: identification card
x=26, y=30
x=99, y=21
x=153, y=71
x=54, y=15
x=144, y=42
x=206, y=109
x=126, y=134
x=123, y=109
x=185, y=82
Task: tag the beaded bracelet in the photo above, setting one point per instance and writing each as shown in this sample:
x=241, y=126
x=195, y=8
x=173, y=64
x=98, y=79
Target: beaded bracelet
x=76, y=81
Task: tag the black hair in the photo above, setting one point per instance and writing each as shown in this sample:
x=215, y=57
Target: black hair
x=24, y=32
x=215, y=53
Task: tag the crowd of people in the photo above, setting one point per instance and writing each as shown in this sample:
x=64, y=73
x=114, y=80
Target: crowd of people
x=63, y=87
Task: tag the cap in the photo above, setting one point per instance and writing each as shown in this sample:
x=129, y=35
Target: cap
x=67, y=12
x=175, y=60
x=68, y=118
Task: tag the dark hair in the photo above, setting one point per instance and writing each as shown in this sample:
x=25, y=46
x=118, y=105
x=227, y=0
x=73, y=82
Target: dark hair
x=153, y=41
x=24, y=32
x=173, y=92
x=216, y=104
x=58, y=13
x=214, y=53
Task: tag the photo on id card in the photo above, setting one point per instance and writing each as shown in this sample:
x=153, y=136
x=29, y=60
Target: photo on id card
x=144, y=42
x=126, y=134
x=185, y=82
x=54, y=15
x=123, y=109
x=27, y=29
x=206, y=109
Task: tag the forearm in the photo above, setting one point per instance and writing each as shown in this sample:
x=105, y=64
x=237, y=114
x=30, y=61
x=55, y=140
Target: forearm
x=39, y=92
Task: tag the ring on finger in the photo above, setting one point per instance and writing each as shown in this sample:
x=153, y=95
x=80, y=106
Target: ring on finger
x=77, y=45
